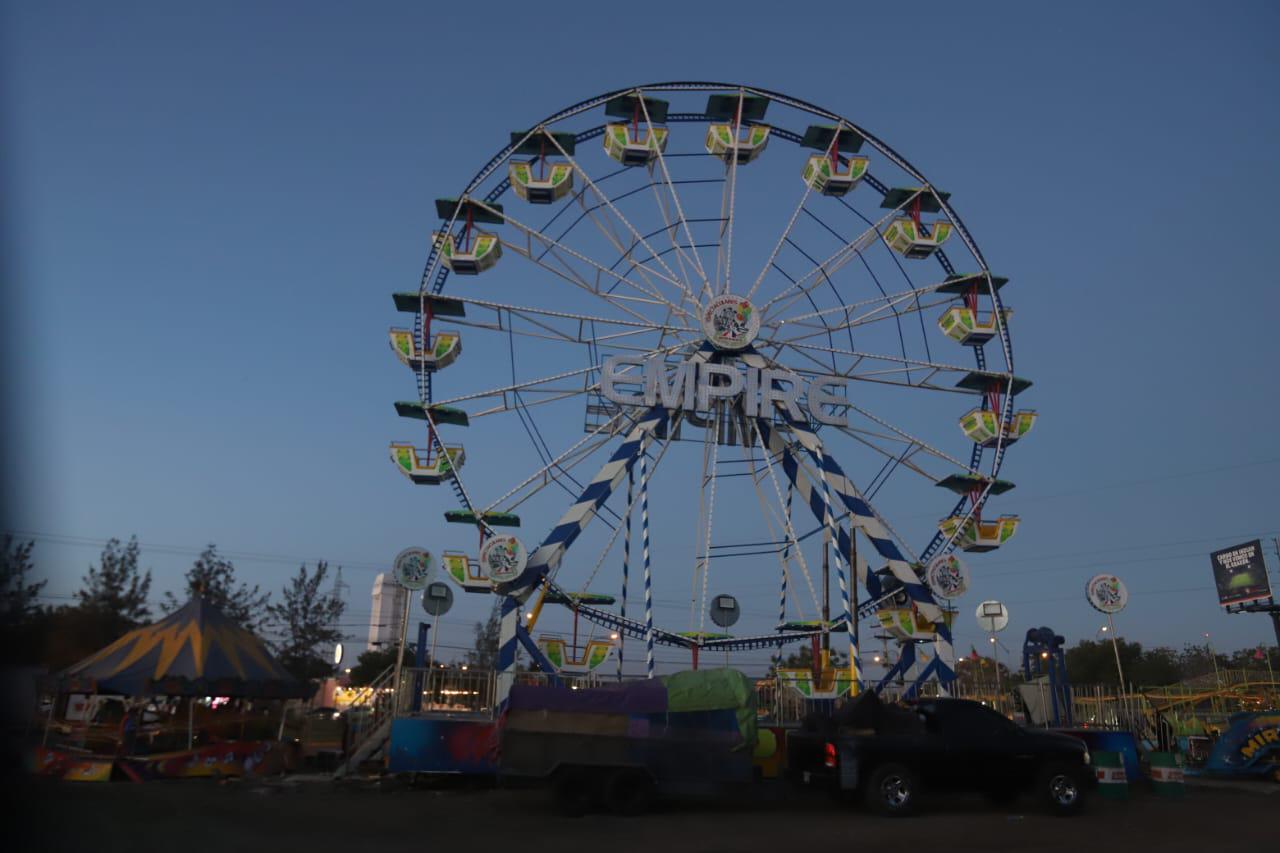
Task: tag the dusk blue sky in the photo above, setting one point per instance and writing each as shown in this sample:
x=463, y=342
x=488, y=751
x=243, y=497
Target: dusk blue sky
x=210, y=207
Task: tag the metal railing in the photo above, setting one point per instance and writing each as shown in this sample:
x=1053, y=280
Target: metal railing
x=447, y=690
x=370, y=709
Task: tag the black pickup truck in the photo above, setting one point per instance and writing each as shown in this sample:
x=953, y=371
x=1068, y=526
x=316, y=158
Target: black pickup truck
x=891, y=754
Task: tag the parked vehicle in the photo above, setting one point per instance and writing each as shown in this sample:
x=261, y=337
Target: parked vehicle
x=891, y=756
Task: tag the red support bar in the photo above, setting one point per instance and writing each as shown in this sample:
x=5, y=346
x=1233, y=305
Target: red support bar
x=694, y=649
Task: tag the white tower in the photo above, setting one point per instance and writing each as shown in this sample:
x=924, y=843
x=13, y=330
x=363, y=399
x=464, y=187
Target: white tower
x=388, y=610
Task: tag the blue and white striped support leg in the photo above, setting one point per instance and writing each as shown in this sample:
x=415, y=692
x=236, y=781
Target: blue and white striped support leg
x=869, y=522
x=648, y=579
x=782, y=591
x=549, y=554
x=626, y=563
x=842, y=575
x=509, y=616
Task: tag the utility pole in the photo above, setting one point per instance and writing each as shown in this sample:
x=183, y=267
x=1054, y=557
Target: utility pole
x=1275, y=614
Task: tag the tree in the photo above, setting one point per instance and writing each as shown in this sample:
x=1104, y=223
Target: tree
x=484, y=655
x=373, y=662
x=214, y=578
x=116, y=586
x=21, y=618
x=1196, y=662
x=17, y=596
x=306, y=619
x=803, y=659
x=984, y=674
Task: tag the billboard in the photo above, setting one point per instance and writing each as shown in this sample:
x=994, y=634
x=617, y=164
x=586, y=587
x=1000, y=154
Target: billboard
x=1240, y=573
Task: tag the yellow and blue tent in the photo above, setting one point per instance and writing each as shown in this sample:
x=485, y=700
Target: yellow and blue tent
x=194, y=651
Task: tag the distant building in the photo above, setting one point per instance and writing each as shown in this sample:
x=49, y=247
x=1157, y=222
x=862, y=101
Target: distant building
x=388, y=610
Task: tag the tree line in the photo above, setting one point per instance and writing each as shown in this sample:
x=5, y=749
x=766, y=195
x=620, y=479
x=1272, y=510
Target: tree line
x=301, y=624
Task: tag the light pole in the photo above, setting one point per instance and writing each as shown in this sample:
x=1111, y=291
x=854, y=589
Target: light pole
x=1110, y=628
x=1217, y=681
x=995, y=660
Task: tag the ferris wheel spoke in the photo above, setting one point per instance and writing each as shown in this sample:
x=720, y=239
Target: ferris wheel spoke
x=557, y=468
x=618, y=301
x=724, y=255
x=901, y=269
x=562, y=326
x=901, y=435
x=635, y=266
x=782, y=240
x=670, y=276
x=560, y=248
x=831, y=265
x=786, y=523
x=875, y=309
x=705, y=290
x=888, y=375
x=531, y=385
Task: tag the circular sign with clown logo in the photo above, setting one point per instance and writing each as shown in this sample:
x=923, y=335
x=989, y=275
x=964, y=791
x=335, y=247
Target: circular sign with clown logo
x=1106, y=593
x=947, y=577
x=730, y=322
x=413, y=568
x=503, y=558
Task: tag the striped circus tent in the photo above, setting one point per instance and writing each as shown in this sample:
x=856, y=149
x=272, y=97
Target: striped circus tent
x=195, y=651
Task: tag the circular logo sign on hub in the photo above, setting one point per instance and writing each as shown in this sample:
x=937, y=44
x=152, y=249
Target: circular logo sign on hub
x=730, y=322
x=503, y=558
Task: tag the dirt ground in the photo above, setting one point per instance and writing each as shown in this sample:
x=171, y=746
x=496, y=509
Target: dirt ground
x=196, y=816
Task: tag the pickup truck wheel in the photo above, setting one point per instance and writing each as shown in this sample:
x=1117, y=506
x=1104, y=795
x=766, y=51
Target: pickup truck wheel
x=629, y=793
x=1061, y=786
x=893, y=790
x=572, y=792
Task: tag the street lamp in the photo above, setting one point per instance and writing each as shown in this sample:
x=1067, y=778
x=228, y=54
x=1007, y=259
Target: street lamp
x=1217, y=682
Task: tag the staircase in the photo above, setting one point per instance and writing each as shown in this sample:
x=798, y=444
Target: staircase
x=374, y=707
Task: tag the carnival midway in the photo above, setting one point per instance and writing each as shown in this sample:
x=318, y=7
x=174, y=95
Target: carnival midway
x=724, y=425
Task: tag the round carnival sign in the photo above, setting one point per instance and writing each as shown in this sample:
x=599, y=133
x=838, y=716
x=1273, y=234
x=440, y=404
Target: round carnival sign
x=993, y=617
x=1106, y=593
x=413, y=568
x=503, y=558
x=948, y=577
x=730, y=322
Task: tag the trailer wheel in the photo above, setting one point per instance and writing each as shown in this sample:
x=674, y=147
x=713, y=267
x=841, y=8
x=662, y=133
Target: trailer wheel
x=629, y=792
x=572, y=792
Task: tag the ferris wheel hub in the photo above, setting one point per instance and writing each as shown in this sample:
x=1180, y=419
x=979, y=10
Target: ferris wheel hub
x=730, y=322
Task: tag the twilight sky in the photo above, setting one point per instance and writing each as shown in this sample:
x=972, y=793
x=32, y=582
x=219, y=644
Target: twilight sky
x=208, y=209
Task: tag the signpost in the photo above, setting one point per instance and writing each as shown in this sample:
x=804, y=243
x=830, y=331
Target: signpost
x=725, y=612
x=1108, y=594
x=993, y=617
x=412, y=569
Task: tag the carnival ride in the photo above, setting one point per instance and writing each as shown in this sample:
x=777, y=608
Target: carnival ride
x=705, y=321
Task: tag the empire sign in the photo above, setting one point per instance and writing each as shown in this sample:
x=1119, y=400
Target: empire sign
x=693, y=386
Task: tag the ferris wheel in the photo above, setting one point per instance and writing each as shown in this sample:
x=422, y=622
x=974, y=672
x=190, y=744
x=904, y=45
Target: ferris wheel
x=715, y=335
